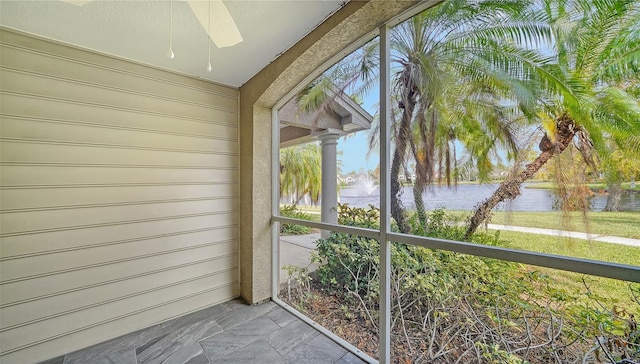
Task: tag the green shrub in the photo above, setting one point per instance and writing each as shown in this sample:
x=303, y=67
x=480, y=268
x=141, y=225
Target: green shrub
x=290, y=229
x=461, y=306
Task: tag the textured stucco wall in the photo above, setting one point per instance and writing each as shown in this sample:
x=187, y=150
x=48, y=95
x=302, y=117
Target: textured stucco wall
x=257, y=98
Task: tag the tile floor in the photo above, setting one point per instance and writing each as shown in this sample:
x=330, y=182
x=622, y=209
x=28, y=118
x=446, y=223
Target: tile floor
x=231, y=332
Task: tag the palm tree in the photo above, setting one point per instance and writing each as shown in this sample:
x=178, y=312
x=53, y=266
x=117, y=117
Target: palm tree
x=462, y=71
x=597, y=48
x=301, y=172
x=467, y=67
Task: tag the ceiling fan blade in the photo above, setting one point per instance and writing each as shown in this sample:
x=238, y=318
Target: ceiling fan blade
x=223, y=31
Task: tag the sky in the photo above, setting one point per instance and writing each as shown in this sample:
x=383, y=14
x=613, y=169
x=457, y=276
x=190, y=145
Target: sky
x=353, y=153
x=353, y=149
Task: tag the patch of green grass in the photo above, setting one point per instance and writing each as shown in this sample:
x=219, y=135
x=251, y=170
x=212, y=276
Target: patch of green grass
x=615, y=253
x=308, y=208
x=623, y=224
x=593, y=186
x=611, y=289
x=313, y=212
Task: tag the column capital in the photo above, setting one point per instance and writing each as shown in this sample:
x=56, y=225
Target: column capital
x=328, y=135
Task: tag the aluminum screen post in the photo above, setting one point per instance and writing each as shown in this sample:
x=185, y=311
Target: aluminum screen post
x=385, y=196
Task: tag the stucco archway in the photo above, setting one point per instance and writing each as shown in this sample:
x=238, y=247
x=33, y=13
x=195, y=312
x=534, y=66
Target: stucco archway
x=334, y=38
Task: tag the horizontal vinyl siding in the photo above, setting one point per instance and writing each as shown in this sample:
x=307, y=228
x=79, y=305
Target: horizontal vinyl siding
x=118, y=197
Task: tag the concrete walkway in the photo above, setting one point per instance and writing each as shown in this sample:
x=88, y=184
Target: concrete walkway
x=296, y=250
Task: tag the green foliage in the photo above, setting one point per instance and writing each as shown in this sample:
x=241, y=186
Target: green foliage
x=483, y=307
x=292, y=212
x=301, y=172
x=350, y=262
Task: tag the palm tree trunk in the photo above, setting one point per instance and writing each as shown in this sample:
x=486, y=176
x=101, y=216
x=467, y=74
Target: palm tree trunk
x=397, y=210
x=421, y=211
x=614, y=197
x=510, y=188
x=408, y=104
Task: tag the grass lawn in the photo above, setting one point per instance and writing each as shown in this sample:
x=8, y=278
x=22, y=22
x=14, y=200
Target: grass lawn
x=593, y=186
x=604, y=287
x=595, y=250
x=623, y=224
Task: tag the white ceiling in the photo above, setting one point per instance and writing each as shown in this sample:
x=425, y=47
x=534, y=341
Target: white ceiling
x=139, y=30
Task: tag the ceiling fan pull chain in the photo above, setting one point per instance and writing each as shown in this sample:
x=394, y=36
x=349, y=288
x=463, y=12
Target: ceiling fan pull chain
x=170, y=54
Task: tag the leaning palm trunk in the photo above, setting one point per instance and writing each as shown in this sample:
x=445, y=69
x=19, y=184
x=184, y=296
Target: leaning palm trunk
x=510, y=189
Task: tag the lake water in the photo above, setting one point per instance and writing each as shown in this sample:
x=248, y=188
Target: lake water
x=468, y=196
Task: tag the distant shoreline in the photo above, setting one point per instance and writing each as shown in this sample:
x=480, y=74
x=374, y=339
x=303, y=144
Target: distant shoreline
x=542, y=185
x=595, y=187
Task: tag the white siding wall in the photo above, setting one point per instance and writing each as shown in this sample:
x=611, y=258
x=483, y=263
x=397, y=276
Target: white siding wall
x=118, y=197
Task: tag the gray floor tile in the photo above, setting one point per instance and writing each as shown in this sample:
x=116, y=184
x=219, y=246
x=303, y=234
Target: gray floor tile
x=241, y=313
x=281, y=317
x=319, y=350
x=187, y=332
x=126, y=357
x=261, y=326
x=350, y=358
x=116, y=349
x=184, y=321
x=232, y=332
x=239, y=336
x=200, y=359
x=258, y=352
x=190, y=353
x=225, y=343
x=290, y=336
x=58, y=360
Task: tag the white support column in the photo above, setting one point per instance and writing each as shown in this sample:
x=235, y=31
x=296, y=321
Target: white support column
x=329, y=196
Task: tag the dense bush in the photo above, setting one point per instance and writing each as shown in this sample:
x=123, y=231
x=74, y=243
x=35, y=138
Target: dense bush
x=456, y=308
x=293, y=212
